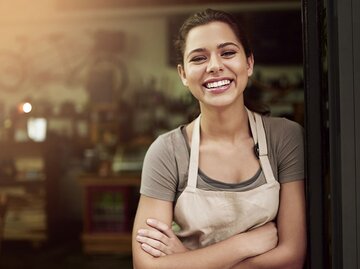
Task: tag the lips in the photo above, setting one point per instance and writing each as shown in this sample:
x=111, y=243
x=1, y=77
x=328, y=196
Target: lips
x=217, y=86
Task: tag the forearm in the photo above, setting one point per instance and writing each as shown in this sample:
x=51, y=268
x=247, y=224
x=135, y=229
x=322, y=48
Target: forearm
x=281, y=257
x=221, y=255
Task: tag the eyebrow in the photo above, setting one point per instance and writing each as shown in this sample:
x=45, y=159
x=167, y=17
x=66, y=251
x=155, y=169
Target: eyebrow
x=220, y=46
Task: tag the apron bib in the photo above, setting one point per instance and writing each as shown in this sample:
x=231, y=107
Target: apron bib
x=207, y=217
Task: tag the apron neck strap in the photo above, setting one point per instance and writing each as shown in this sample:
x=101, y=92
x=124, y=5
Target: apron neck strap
x=194, y=155
x=263, y=152
x=253, y=127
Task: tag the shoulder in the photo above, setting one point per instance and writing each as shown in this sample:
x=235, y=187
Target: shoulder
x=167, y=148
x=285, y=137
x=281, y=124
x=279, y=128
x=159, y=177
x=165, y=143
x=286, y=147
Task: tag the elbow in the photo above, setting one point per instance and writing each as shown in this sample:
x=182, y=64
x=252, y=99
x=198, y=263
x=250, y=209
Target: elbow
x=145, y=262
x=295, y=258
x=141, y=265
x=295, y=263
x=300, y=256
x=299, y=261
x=142, y=260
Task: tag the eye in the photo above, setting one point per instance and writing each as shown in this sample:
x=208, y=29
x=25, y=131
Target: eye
x=198, y=59
x=228, y=53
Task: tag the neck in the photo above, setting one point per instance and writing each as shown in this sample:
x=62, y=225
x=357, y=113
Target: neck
x=227, y=124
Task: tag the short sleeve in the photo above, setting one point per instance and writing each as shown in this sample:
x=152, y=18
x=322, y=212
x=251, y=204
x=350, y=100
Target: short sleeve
x=290, y=152
x=159, y=172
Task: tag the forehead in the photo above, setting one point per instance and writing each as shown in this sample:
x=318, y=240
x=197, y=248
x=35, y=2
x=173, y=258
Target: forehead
x=212, y=33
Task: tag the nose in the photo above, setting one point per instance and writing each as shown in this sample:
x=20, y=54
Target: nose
x=215, y=65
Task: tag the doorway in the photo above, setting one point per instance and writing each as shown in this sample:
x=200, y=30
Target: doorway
x=331, y=37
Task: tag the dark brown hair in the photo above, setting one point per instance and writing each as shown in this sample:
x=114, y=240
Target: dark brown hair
x=205, y=17
x=208, y=16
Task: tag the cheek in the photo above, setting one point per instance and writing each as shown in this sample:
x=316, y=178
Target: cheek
x=240, y=68
x=194, y=73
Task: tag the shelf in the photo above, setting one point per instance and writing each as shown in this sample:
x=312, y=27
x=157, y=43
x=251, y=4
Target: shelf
x=28, y=236
x=22, y=183
x=107, y=243
x=131, y=179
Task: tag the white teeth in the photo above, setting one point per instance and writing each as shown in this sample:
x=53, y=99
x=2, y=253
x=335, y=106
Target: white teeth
x=217, y=83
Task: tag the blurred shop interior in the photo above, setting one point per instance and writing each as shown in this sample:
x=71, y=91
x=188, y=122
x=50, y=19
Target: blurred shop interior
x=85, y=87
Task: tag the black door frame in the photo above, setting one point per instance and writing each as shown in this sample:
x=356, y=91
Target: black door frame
x=332, y=106
x=315, y=134
x=344, y=101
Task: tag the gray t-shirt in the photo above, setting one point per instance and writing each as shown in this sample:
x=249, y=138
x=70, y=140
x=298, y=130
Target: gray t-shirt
x=166, y=163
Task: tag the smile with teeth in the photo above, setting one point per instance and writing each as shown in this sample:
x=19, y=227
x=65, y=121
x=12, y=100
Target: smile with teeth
x=217, y=84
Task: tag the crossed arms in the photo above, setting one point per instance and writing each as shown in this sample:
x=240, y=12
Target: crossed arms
x=271, y=246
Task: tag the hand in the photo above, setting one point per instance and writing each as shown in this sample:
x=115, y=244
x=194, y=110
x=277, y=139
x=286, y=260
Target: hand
x=159, y=241
x=262, y=239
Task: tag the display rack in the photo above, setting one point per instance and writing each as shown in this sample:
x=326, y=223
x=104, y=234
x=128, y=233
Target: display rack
x=23, y=181
x=109, y=210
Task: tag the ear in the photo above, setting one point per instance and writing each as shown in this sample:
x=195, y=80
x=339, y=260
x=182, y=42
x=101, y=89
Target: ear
x=250, y=65
x=182, y=74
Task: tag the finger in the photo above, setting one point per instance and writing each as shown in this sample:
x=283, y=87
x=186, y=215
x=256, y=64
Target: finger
x=154, y=234
x=160, y=226
x=155, y=244
x=152, y=251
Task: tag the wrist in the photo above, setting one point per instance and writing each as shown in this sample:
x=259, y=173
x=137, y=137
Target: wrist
x=244, y=247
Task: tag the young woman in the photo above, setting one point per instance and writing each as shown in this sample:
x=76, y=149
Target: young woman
x=231, y=180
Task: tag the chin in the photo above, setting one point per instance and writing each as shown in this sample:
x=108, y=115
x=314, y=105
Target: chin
x=219, y=104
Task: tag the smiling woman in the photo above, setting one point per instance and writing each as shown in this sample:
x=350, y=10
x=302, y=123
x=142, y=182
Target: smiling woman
x=231, y=181
x=209, y=64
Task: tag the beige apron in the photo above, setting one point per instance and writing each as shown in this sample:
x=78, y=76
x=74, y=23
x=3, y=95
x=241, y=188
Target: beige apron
x=207, y=217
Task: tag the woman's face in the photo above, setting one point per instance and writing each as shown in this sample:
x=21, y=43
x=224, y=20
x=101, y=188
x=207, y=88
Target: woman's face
x=215, y=67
